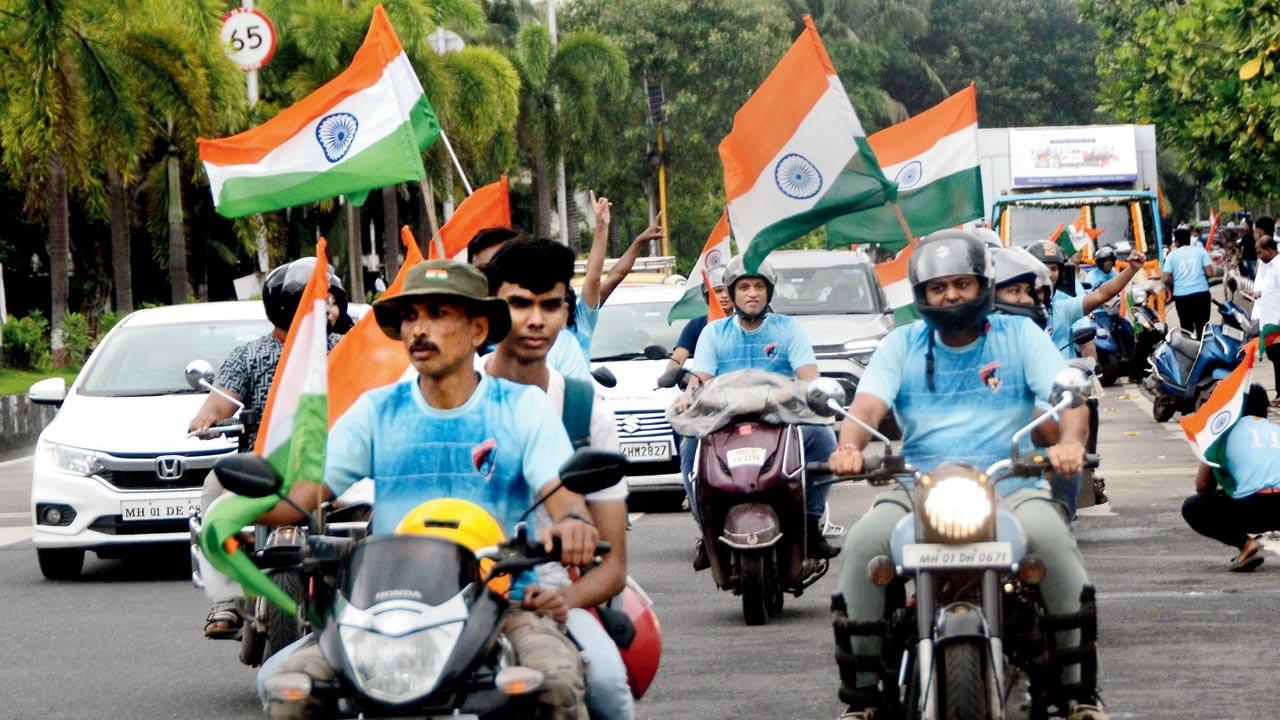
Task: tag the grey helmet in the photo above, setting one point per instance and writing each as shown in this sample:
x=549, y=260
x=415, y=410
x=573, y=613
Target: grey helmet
x=988, y=237
x=952, y=252
x=715, y=277
x=1106, y=252
x=737, y=270
x=1015, y=265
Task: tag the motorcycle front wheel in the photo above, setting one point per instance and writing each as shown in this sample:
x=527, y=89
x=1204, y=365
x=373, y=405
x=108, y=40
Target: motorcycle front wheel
x=965, y=681
x=755, y=589
x=283, y=629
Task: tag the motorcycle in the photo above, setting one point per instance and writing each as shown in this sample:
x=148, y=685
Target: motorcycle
x=1185, y=370
x=1113, y=341
x=749, y=487
x=411, y=623
x=975, y=629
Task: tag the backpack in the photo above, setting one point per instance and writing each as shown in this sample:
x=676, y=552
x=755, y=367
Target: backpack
x=576, y=414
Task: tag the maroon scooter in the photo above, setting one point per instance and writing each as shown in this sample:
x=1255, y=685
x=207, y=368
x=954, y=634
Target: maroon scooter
x=749, y=488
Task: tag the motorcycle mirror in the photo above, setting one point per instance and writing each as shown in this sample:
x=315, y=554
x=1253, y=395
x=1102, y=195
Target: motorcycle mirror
x=1084, y=335
x=1232, y=285
x=590, y=470
x=605, y=377
x=821, y=392
x=248, y=475
x=198, y=370
x=1071, y=383
x=656, y=352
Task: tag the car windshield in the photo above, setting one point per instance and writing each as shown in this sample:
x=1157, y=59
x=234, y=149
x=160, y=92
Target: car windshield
x=152, y=359
x=839, y=290
x=623, y=331
x=1031, y=223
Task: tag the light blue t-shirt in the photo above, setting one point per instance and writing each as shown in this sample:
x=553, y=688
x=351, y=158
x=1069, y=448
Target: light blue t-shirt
x=496, y=450
x=566, y=357
x=1187, y=265
x=984, y=392
x=585, y=319
x=1096, y=278
x=779, y=345
x=1253, y=456
x=1064, y=311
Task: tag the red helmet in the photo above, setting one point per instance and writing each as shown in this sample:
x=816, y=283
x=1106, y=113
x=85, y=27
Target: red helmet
x=644, y=652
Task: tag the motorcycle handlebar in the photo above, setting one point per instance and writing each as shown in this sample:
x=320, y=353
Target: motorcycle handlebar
x=1039, y=463
x=871, y=465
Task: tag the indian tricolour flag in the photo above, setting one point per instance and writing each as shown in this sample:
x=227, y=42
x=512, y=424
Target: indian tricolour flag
x=364, y=129
x=292, y=437
x=797, y=156
x=1207, y=428
x=897, y=287
x=715, y=253
x=934, y=159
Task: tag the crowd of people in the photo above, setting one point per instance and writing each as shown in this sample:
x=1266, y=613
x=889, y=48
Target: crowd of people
x=502, y=394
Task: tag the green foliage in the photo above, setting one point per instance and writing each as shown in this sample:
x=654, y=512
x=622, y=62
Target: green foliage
x=76, y=338
x=15, y=382
x=26, y=342
x=1204, y=71
x=106, y=321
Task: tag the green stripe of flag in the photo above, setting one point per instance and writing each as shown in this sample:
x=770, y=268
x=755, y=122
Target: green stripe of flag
x=946, y=202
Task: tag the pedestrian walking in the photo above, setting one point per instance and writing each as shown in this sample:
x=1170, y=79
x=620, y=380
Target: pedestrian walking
x=1186, y=281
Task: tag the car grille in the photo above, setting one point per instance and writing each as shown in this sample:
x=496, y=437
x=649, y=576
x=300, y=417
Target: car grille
x=650, y=425
x=141, y=473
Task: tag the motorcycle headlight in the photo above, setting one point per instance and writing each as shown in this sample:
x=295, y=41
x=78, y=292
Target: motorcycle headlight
x=398, y=670
x=958, y=508
x=1140, y=295
x=69, y=459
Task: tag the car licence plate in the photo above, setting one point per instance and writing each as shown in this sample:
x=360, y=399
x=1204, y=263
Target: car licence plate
x=136, y=510
x=1232, y=333
x=647, y=451
x=935, y=556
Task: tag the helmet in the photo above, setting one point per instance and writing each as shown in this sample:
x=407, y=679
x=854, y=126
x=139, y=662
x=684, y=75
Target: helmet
x=945, y=253
x=715, y=276
x=1047, y=253
x=460, y=522
x=1015, y=265
x=641, y=657
x=282, y=290
x=988, y=237
x=1106, y=252
x=737, y=270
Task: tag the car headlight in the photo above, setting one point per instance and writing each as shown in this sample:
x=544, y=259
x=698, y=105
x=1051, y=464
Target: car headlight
x=958, y=508
x=397, y=670
x=860, y=351
x=69, y=459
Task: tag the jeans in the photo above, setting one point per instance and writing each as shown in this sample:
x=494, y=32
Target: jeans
x=689, y=448
x=1047, y=536
x=608, y=690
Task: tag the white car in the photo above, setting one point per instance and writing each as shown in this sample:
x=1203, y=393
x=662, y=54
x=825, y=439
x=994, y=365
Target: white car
x=635, y=318
x=115, y=469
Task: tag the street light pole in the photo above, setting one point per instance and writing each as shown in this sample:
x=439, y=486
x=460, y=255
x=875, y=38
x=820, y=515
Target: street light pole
x=562, y=208
x=251, y=82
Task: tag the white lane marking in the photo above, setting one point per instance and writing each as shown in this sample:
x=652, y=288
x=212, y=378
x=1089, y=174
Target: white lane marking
x=1271, y=542
x=1103, y=510
x=15, y=461
x=1148, y=472
x=13, y=535
x=16, y=516
x=633, y=517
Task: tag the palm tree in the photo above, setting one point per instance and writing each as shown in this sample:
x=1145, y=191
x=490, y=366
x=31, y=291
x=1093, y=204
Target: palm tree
x=565, y=92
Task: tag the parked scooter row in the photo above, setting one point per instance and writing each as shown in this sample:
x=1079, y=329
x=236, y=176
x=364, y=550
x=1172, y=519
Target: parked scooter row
x=1186, y=369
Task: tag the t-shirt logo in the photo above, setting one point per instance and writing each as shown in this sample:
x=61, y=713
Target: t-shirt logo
x=989, y=375
x=771, y=350
x=483, y=457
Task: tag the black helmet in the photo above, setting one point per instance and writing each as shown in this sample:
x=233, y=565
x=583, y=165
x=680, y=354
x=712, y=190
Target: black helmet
x=737, y=270
x=1015, y=265
x=945, y=253
x=1047, y=253
x=282, y=290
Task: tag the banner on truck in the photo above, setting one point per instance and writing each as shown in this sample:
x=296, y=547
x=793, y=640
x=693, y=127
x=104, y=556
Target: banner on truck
x=1064, y=156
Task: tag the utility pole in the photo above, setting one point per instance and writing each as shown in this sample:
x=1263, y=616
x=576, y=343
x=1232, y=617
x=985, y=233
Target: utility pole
x=658, y=116
x=562, y=208
x=251, y=82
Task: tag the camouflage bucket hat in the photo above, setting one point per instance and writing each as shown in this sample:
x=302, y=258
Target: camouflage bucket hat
x=446, y=279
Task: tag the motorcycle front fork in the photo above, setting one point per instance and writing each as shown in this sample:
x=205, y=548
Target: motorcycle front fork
x=926, y=649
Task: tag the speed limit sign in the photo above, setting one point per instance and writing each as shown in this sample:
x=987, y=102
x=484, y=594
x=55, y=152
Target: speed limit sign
x=248, y=37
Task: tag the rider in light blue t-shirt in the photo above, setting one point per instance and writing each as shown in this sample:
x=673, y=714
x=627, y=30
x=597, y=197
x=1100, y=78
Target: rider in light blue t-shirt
x=1065, y=310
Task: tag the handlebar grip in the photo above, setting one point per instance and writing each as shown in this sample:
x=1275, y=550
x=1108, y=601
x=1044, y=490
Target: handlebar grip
x=870, y=464
x=670, y=377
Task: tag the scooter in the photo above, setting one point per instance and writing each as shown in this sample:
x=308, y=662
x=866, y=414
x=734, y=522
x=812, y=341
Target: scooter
x=974, y=632
x=411, y=623
x=1148, y=329
x=749, y=489
x=1185, y=370
x=1114, y=342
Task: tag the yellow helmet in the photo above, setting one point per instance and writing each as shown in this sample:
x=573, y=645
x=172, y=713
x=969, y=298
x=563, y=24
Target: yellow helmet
x=461, y=522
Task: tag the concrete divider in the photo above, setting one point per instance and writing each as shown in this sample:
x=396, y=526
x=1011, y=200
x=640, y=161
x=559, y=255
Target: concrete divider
x=21, y=422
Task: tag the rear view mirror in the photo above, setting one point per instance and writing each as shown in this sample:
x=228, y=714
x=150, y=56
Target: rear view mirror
x=198, y=370
x=820, y=394
x=605, y=377
x=1232, y=285
x=1084, y=335
x=1072, y=383
x=590, y=471
x=248, y=475
x=50, y=391
x=656, y=352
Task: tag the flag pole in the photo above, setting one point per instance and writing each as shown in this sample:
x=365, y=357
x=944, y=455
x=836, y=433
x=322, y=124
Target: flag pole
x=457, y=165
x=902, y=221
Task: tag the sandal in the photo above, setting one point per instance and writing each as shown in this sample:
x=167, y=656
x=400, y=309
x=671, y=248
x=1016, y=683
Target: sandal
x=224, y=621
x=1248, y=564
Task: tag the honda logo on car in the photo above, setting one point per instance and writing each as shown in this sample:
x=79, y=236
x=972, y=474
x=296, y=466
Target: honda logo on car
x=169, y=467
